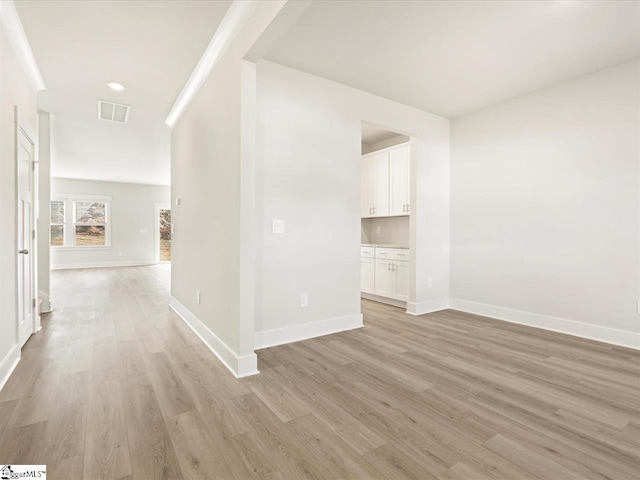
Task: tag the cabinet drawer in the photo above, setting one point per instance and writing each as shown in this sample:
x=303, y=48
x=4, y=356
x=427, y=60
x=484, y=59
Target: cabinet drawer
x=393, y=253
x=367, y=252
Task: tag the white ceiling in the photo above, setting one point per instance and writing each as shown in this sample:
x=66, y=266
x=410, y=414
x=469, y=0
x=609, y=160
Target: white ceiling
x=373, y=134
x=454, y=57
x=149, y=47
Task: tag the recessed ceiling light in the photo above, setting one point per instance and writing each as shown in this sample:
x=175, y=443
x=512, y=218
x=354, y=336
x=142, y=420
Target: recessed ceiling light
x=115, y=86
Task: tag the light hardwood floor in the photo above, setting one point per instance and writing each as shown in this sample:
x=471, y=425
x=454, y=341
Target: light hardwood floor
x=115, y=386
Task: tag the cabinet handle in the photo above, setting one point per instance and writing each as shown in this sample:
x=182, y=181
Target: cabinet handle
x=408, y=207
x=394, y=267
x=374, y=210
x=404, y=207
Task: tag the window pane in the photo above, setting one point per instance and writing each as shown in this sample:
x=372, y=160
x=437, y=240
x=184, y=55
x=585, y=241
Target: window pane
x=90, y=235
x=57, y=235
x=57, y=211
x=165, y=235
x=90, y=212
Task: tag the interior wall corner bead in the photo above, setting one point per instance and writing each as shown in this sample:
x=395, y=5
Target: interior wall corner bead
x=238, y=13
x=18, y=39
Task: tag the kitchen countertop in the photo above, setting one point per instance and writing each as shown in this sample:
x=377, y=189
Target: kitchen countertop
x=384, y=246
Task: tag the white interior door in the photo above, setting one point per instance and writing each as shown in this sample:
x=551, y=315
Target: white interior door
x=399, y=181
x=26, y=293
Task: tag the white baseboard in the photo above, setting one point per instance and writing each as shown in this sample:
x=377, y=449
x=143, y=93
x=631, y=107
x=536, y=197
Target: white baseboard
x=579, y=329
x=46, y=305
x=9, y=364
x=430, y=306
x=388, y=301
x=295, y=333
x=240, y=366
x=70, y=266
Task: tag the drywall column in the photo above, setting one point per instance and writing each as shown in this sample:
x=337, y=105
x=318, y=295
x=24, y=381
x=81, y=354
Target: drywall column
x=44, y=197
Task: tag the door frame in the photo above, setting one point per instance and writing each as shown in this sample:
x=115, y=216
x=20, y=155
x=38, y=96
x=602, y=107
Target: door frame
x=35, y=317
x=158, y=207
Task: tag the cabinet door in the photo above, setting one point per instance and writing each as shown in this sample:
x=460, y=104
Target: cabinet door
x=366, y=187
x=380, y=166
x=384, y=279
x=401, y=281
x=399, y=181
x=367, y=274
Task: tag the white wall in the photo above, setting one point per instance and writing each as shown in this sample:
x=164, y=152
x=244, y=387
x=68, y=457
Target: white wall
x=45, y=121
x=544, y=207
x=14, y=90
x=308, y=173
x=212, y=171
x=393, y=231
x=132, y=209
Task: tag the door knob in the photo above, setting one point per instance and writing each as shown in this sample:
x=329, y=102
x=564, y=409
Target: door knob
x=24, y=251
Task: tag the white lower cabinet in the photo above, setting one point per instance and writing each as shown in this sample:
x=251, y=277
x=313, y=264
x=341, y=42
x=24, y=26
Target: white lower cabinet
x=401, y=281
x=367, y=274
x=384, y=272
x=384, y=278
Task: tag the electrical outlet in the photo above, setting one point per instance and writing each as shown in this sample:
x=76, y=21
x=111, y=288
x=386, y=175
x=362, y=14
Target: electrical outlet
x=120, y=253
x=173, y=228
x=143, y=230
x=378, y=229
x=178, y=201
x=304, y=300
x=430, y=282
x=198, y=297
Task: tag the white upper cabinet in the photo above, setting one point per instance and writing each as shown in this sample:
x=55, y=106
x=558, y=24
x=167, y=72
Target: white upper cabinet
x=385, y=183
x=399, y=181
x=366, y=188
x=380, y=164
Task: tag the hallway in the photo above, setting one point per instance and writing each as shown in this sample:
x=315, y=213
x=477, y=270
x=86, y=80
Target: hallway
x=116, y=386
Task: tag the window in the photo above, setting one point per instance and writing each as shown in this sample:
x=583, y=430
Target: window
x=57, y=223
x=80, y=221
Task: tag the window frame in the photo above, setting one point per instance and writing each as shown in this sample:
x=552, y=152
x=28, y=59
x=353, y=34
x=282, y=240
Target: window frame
x=69, y=228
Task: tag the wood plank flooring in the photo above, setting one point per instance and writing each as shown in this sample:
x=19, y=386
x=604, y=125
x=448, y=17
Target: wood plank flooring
x=115, y=386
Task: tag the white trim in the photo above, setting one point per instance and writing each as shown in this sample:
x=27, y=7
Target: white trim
x=70, y=266
x=295, y=333
x=386, y=300
x=571, y=327
x=239, y=366
x=9, y=364
x=430, y=306
x=237, y=14
x=47, y=304
x=18, y=39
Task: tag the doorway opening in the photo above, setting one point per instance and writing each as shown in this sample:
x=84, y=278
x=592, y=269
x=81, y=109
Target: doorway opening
x=163, y=233
x=385, y=212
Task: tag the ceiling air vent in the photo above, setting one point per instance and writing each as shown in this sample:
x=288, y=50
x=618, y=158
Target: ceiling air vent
x=113, y=112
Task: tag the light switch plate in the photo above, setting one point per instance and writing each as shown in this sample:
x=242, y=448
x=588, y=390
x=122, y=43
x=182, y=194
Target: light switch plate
x=278, y=226
x=178, y=201
x=173, y=228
